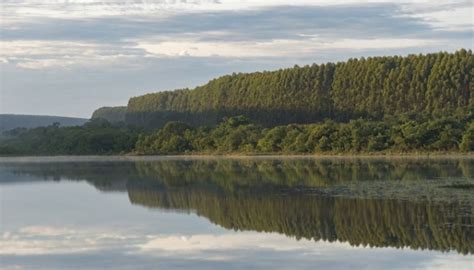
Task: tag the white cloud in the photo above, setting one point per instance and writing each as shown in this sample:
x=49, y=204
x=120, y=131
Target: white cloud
x=273, y=48
x=39, y=54
x=15, y=9
x=454, y=19
x=56, y=53
x=454, y=15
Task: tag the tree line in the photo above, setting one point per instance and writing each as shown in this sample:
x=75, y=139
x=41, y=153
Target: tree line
x=239, y=135
x=111, y=114
x=374, y=88
x=95, y=137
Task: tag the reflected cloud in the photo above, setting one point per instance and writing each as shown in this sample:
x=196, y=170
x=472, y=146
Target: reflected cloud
x=46, y=231
x=29, y=244
x=44, y=240
x=245, y=241
x=449, y=262
x=47, y=240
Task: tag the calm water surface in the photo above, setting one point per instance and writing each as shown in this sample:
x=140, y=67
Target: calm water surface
x=236, y=213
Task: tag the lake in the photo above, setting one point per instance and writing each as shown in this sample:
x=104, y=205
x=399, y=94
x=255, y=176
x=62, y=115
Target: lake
x=236, y=213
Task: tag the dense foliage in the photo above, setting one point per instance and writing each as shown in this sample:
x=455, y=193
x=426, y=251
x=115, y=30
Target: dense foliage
x=374, y=88
x=111, y=114
x=237, y=134
x=94, y=137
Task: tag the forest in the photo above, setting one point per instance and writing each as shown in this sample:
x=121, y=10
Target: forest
x=111, y=114
x=411, y=104
x=95, y=137
x=238, y=135
x=373, y=88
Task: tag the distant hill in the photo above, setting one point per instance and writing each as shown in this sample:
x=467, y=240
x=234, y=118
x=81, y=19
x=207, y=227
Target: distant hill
x=111, y=114
x=11, y=121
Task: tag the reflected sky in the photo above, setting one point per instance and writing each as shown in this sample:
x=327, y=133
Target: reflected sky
x=73, y=225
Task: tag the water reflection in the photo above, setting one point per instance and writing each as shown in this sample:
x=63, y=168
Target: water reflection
x=402, y=203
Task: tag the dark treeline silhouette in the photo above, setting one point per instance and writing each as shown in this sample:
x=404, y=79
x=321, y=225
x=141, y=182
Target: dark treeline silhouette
x=302, y=198
x=428, y=86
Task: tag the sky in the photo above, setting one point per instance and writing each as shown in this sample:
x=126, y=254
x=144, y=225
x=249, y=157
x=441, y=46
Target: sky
x=69, y=57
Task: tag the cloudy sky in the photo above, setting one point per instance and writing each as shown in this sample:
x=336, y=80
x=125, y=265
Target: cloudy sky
x=68, y=57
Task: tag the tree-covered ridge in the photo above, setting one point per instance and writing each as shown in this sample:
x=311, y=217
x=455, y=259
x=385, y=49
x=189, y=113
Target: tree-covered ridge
x=376, y=87
x=111, y=114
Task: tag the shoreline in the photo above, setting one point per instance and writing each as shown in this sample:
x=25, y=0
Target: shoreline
x=131, y=157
